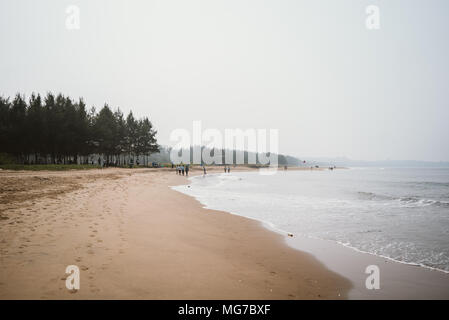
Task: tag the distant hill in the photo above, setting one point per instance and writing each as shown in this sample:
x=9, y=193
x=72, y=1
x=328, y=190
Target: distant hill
x=163, y=156
x=345, y=162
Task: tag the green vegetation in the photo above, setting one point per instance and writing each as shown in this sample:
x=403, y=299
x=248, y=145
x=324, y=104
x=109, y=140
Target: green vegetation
x=50, y=167
x=59, y=130
x=6, y=159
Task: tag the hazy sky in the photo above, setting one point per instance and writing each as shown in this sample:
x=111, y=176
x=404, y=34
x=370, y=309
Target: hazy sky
x=308, y=68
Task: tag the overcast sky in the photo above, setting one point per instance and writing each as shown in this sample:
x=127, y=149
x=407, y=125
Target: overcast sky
x=308, y=68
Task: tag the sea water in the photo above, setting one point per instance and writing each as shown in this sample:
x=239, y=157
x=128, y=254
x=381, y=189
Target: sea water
x=399, y=213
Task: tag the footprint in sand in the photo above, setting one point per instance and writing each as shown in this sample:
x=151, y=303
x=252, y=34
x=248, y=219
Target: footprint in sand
x=84, y=268
x=50, y=293
x=94, y=289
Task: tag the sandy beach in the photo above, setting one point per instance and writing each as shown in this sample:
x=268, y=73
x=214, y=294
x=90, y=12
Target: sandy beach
x=135, y=238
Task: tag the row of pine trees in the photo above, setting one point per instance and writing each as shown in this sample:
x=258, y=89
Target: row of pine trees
x=58, y=129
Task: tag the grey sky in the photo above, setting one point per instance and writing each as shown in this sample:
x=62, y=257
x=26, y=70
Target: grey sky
x=308, y=68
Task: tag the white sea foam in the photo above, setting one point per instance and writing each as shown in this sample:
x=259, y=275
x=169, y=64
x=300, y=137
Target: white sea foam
x=399, y=214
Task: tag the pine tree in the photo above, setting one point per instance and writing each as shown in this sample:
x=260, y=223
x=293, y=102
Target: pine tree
x=59, y=128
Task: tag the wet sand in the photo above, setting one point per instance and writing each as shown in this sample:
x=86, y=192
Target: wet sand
x=135, y=238
x=397, y=280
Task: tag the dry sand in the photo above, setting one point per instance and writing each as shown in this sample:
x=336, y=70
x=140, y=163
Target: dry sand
x=135, y=238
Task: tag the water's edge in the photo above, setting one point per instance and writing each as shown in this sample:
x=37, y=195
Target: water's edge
x=270, y=226
x=318, y=247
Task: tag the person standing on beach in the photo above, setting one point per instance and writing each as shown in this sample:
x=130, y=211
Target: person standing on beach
x=229, y=169
x=182, y=170
x=187, y=170
x=225, y=169
x=204, y=170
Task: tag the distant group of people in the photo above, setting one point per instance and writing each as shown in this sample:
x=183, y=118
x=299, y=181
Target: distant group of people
x=182, y=170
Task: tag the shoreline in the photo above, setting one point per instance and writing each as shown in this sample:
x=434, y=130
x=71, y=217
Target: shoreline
x=398, y=280
x=135, y=238
x=411, y=280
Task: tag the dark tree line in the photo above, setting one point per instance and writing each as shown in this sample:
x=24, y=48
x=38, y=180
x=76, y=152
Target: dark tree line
x=57, y=129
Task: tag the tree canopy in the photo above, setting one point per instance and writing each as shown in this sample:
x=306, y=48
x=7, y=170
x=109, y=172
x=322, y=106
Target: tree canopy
x=59, y=127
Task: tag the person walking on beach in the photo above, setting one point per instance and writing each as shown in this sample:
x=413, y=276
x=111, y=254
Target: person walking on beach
x=182, y=170
x=204, y=170
x=187, y=170
x=225, y=169
x=229, y=169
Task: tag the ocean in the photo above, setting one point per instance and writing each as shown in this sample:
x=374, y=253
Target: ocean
x=398, y=213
